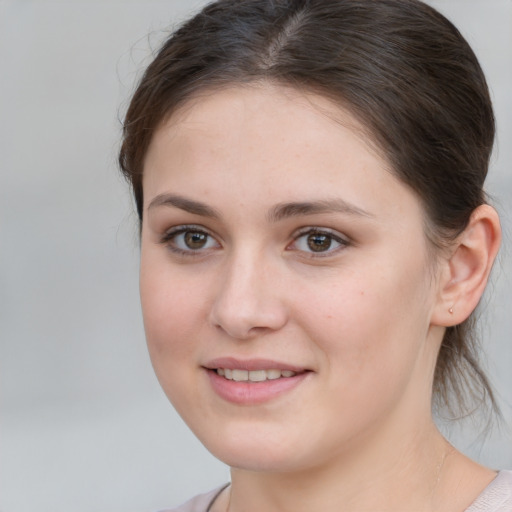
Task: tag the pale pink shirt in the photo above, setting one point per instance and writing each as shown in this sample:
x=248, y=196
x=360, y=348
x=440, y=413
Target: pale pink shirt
x=496, y=497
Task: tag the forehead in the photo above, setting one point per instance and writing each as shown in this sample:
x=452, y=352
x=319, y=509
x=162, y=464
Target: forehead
x=263, y=142
x=265, y=104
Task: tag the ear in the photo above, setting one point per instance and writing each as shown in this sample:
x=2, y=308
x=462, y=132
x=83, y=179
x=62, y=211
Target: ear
x=466, y=271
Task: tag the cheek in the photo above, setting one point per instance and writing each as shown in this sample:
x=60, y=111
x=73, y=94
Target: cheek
x=170, y=320
x=171, y=313
x=370, y=325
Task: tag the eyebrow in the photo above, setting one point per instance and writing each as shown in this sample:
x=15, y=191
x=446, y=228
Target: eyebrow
x=278, y=212
x=188, y=205
x=286, y=210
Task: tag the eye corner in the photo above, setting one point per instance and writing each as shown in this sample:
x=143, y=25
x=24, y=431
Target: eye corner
x=189, y=240
x=318, y=242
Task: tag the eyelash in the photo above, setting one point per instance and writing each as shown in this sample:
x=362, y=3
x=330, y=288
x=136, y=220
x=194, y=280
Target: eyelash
x=170, y=236
x=333, y=236
x=169, y=239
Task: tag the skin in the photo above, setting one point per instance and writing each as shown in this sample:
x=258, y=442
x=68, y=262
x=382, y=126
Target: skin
x=365, y=316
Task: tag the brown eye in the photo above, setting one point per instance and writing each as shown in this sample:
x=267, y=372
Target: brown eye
x=188, y=240
x=195, y=240
x=319, y=242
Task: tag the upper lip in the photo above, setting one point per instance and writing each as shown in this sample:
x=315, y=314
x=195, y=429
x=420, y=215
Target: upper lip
x=232, y=363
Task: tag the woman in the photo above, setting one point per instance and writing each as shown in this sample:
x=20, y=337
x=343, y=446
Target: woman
x=314, y=239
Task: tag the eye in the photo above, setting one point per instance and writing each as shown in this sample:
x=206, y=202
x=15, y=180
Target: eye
x=318, y=241
x=189, y=239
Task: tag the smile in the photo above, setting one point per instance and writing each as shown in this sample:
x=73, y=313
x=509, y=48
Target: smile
x=240, y=375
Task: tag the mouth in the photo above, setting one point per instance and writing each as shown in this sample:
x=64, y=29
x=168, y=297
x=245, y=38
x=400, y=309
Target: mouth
x=240, y=375
x=254, y=381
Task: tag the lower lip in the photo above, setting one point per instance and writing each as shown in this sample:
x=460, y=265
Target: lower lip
x=249, y=393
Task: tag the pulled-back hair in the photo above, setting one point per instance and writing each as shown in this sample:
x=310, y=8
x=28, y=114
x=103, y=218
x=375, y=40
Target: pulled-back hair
x=400, y=67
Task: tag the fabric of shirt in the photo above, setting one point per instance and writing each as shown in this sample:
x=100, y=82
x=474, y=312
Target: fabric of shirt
x=496, y=497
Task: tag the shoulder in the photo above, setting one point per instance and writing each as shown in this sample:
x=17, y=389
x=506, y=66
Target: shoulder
x=200, y=503
x=496, y=497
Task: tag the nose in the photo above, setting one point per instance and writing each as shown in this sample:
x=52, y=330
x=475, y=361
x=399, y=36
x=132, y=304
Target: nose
x=249, y=301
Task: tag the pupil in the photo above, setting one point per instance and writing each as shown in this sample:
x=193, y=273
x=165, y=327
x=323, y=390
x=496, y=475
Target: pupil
x=195, y=240
x=319, y=242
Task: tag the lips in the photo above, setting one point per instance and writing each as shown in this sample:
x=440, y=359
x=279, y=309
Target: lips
x=253, y=381
x=240, y=375
x=232, y=363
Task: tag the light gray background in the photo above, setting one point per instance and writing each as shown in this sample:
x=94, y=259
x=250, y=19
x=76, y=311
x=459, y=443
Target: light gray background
x=84, y=425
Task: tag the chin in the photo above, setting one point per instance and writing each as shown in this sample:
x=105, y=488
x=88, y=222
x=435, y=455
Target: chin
x=259, y=449
x=258, y=459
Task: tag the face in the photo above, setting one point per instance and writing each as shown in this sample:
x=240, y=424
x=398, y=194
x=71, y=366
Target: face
x=285, y=280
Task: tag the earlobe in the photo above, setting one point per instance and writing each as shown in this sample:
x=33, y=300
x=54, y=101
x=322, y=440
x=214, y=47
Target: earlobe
x=467, y=270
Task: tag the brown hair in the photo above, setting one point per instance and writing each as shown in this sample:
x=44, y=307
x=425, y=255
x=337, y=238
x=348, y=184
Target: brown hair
x=398, y=66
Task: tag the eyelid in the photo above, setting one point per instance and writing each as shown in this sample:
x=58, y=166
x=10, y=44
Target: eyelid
x=341, y=239
x=176, y=230
x=170, y=234
x=338, y=237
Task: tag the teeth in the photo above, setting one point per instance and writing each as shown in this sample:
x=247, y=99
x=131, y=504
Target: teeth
x=273, y=374
x=240, y=375
x=258, y=376
x=254, y=375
